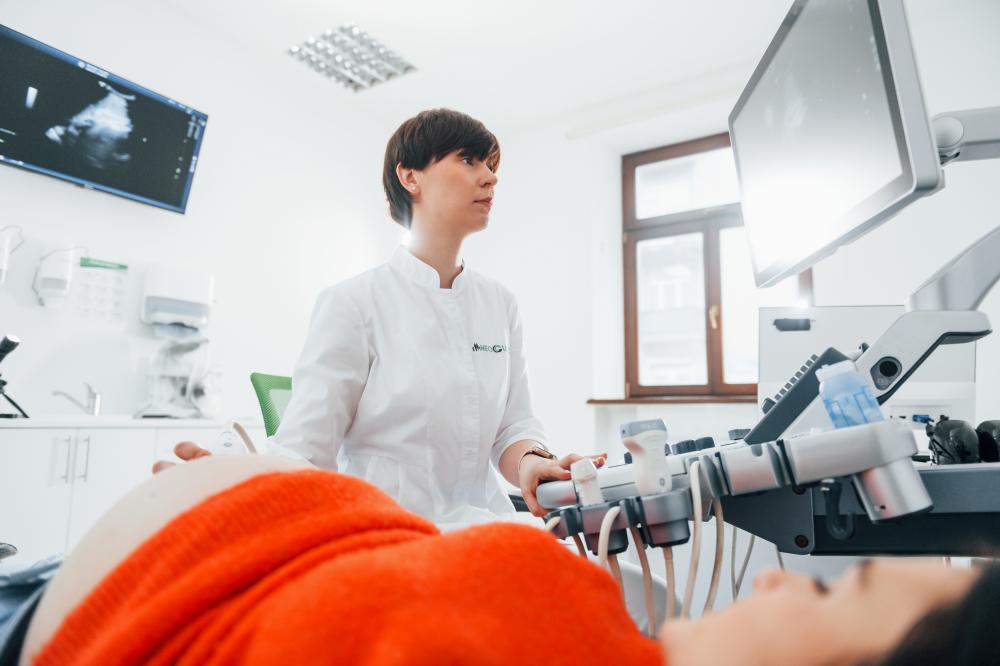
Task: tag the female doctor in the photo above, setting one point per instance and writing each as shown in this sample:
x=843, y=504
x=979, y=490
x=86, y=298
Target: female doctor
x=413, y=374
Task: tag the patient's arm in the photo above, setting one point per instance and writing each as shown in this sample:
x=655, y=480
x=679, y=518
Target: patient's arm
x=135, y=518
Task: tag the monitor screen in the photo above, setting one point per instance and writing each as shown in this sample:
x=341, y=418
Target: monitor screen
x=819, y=134
x=66, y=118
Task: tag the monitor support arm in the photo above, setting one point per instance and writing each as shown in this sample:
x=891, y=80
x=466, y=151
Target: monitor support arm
x=962, y=283
x=973, y=134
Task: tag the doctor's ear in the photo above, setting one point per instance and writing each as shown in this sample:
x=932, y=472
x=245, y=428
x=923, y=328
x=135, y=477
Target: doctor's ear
x=408, y=178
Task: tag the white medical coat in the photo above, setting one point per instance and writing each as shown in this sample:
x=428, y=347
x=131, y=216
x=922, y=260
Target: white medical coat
x=414, y=388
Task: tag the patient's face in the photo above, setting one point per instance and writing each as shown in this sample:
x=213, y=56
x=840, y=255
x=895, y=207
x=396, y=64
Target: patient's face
x=791, y=618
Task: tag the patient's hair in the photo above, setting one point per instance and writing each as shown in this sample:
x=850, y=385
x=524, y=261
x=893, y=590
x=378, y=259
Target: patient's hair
x=962, y=634
x=426, y=138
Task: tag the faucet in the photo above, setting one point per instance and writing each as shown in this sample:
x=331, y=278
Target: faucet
x=93, y=406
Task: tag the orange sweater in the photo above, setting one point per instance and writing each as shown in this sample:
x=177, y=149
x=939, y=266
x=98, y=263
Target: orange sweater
x=320, y=568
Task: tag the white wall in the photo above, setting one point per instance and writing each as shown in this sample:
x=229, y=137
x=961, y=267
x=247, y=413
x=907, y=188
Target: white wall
x=287, y=199
x=539, y=245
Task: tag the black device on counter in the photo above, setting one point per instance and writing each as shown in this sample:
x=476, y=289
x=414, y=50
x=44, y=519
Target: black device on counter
x=7, y=345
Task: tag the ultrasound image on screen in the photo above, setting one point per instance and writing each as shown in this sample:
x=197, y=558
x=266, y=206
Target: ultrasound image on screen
x=70, y=119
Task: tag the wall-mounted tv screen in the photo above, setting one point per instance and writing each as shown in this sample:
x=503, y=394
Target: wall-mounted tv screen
x=67, y=118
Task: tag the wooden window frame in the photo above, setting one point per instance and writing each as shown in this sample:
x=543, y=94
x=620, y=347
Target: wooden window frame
x=707, y=221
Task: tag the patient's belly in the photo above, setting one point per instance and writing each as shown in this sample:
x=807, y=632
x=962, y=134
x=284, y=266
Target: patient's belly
x=136, y=517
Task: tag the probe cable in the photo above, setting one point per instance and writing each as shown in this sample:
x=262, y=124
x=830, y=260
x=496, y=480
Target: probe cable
x=720, y=540
x=694, y=473
x=737, y=583
x=554, y=522
x=647, y=580
x=616, y=571
x=668, y=563
x=245, y=436
x=602, y=547
x=605, y=534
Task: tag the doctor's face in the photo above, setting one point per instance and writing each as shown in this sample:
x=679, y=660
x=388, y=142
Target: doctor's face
x=455, y=194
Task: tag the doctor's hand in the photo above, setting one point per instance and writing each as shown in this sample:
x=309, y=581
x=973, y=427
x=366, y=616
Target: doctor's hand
x=184, y=451
x=532, y=470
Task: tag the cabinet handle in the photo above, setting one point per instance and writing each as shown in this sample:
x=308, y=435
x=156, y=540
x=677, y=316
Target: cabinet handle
x=86, y=461
x=69, y=446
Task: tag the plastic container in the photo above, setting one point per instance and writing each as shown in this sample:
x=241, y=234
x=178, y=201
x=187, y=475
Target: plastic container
x=846, y=395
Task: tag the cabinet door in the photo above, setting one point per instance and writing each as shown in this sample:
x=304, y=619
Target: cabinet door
x=35, y=480
x=109, y=463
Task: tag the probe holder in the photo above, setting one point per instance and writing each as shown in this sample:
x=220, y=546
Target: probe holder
x=593, y=516
x=662, y=519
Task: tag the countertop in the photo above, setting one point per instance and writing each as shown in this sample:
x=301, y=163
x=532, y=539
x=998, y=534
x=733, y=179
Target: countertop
x=122, y=421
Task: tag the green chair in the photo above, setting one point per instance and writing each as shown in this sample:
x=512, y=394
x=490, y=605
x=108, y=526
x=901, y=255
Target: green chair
x=273, y=393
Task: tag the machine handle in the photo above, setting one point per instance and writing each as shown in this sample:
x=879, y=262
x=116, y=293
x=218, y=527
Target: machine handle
x=713, y=317
x=86, y=461
x=69, y=447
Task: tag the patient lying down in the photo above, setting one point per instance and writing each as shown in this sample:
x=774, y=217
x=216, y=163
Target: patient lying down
x=257, y=560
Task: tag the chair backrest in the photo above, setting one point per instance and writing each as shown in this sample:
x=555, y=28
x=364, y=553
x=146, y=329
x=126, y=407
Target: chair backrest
x=273, y=393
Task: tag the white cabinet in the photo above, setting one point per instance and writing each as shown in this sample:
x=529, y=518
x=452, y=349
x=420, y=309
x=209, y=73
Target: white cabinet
x=35, y=488
x=57, y=479
x=108, y=463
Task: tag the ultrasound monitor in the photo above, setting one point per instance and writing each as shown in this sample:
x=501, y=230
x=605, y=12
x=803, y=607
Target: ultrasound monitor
x=830, y=135
x=64, y=117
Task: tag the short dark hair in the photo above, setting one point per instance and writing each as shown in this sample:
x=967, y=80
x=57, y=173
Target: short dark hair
x=426, y=138
x=960, y=634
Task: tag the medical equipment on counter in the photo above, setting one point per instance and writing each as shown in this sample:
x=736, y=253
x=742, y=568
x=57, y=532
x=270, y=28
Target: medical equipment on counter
x=54, y=275
x=177, y=298
x=178, y=303
x=181, y=384
x=7, y=345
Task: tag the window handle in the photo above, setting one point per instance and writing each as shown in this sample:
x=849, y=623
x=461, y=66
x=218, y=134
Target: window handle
x=713, y=317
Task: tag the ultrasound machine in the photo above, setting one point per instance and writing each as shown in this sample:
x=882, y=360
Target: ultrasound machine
x=831, y=139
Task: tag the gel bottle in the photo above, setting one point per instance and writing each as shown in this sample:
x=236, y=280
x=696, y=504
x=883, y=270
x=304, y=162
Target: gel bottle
x=846, y=395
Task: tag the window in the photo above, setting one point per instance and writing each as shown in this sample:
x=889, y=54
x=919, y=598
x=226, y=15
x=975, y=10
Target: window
x=690, y=299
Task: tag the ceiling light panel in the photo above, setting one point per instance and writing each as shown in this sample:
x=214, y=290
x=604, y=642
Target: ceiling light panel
x=351, y=57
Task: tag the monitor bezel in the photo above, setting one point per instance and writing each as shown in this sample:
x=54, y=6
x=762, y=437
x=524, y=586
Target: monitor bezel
x=915, y=141
x=6, y=31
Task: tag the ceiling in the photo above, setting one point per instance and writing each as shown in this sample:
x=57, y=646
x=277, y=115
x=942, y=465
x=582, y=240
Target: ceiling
x=586, y=65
